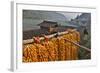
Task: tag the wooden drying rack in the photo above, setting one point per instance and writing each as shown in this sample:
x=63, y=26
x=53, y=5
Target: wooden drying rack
x=58, y=34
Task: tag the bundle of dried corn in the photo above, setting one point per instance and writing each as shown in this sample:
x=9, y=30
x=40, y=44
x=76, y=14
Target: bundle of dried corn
x=61, y=48
x=68, y=46
x=73, y=48
x=34, y=53
x=55, y=45
x=29, y=53
x=51, y=51
x=42, y=53
x=77, y=36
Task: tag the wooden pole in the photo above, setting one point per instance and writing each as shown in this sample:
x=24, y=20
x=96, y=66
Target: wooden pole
x=42, y=38
x=87, y=49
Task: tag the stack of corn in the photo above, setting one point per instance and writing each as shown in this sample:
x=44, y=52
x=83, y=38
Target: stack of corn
x=54, y=49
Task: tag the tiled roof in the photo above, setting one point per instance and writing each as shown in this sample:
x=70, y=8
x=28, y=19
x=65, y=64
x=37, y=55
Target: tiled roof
x=48, y=24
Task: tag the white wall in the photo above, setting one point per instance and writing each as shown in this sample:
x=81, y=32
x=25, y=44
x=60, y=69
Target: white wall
x=5, y=35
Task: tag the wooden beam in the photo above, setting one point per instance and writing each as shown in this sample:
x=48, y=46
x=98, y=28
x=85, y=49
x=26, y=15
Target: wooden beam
x=87, y=49
x=49, y=36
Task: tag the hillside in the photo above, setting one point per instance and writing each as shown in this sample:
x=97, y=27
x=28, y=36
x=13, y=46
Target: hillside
x=32, y=18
